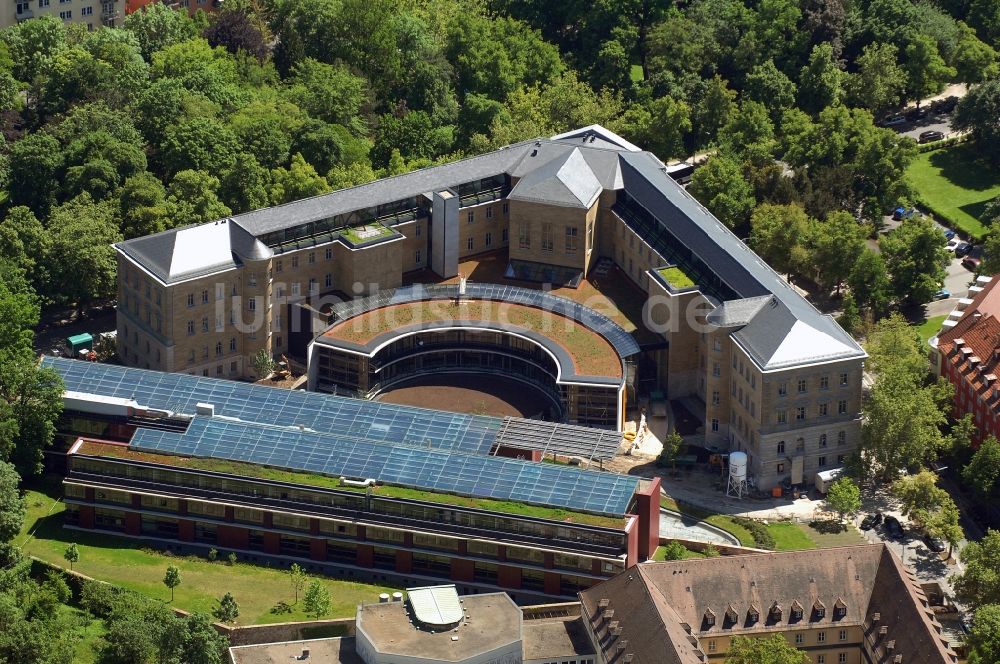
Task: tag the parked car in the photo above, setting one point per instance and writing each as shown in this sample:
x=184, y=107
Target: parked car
x=953, y=244
x=916, y=114
x=902, y=213
x=893, y=528
x=935, y=544
x=962, y=249
x=944, y=106
x=930, y=136
x=871, y=520
x=971, y=263
x=893, y=121
x=942, y=294
x=948, y=234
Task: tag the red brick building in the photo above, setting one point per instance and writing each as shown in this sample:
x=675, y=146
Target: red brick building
x=968, y=355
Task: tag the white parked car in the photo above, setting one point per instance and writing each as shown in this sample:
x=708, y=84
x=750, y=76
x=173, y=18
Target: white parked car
x=953, y=243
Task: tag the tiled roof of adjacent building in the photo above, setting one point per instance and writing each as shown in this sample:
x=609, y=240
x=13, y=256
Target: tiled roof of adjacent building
x=663, y=611
x=972, y=345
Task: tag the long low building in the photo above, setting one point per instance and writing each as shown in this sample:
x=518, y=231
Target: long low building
x=354, y=488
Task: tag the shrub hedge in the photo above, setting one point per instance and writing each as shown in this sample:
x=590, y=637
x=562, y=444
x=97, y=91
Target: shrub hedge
x=761, y=536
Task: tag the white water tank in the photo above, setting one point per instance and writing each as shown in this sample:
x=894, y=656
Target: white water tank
x=738, y=465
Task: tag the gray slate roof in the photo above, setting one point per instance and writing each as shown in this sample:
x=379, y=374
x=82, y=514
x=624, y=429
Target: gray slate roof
x=566, y=180
x=787, y=330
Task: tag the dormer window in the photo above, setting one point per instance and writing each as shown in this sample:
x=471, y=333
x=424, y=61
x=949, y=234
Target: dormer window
x=797, y=612
x=819, y=610
x=839, y=609
x=753, y=615
x=774, y=614
x=709, y=619
x=732, y=617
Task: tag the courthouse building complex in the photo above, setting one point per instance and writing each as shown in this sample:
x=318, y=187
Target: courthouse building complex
x=760, y=367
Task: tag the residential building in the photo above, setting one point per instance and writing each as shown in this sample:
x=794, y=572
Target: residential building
x=967, y=353
x=759, y=366
x=91, y=13
x=349, y=487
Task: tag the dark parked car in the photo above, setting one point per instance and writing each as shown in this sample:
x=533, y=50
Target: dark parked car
x=893, y=121
x=871, y=521
x=962, y=249
x=971, y=263
x=935, y=544
x=916, y=114
x=948, y=233
x=942, y=294
x=930, y=136
x=902, y=213
x=893, y=528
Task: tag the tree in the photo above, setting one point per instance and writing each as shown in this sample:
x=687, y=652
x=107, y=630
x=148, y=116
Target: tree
x=844, y=497
x=172, y=579
x=12, y=508
x=926, y=70
x=25, y=243
x=72, y=554
x=749, y=134
x=660, y=125
x=979, y=113
x=300, y=180
x=712, y=110
x=946, y=524
x=963, y=432
x=228, y=610
x=235, y=31
x=36, y=158
x=916, y=258
x=760, y=650
x=263, y=363
x=192, y=199
x=142, y=205
x=920, y=497
x=880, y=81
x=244, y=187
x=674, y=550
x=983, y=470
x=673, y=447
x=771, y=87
x=157, y=26
x=317, y=600
x=869, y=282
x=82, y=258
x=821, y=81
x=298, y=578
x=974, y=60
x=30, y=403
x=198, y=144
x=850, y=317
x=328, y=92
x=983, y=640
x=979, y=584
x=720, y=186
x=778, y=233
x=834, y=247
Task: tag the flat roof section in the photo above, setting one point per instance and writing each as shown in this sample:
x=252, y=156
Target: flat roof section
x=548, y=485
x=563, y=439
x=494, y=621
x=556, y=639
x=327, y=651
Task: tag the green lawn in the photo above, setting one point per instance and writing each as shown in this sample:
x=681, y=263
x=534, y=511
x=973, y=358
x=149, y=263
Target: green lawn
x=117, y=560
x=849, y=537
x=955, y=185
x=789, y=536
x=929, y=328
x=636, y=73
x=661, y=553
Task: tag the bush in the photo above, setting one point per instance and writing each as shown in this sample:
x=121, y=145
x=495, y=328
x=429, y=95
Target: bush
x=946, y=143
x=98, y=598
x=212, y=555
x=761, y=536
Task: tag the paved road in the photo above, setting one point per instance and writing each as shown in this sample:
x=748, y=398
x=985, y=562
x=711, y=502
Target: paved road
x=956, y=283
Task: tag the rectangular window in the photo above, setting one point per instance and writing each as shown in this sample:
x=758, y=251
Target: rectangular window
x=417, y=230
x=204, y=324
x=489, y=212
x=820, y=659
x=841, y=437
x=782, y=389
x=506, y=208
x=800, y=414
x=66, y=15
x=190, y=327
x=546, y=237
x=523, y=236
x=822, y=410
x=711, y=646
x=824, y=382
x=782, y=417
x=296, y=288
x=252, y=303
x=715, y=397
x=843, y=379
x=470, y=217
x=781, y=468
x=842, y=636
x=295, y=261
x=802, y=385
x=798, y=638
x=204, y=297
x=469, y=243
x=781, y=447
x=716, y=369
x=820, y=637
x=328, y=281
x=279, y=266
x=312, y=257
x=503, y=236
x=416, y=256
x=822, y=462
x=715, y=424
x=841, y=407
x=842, y=658
x=190, y=299
x=571, y=240
x=329, y=250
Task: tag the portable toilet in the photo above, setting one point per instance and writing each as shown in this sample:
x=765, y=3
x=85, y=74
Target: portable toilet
x=79, y=342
